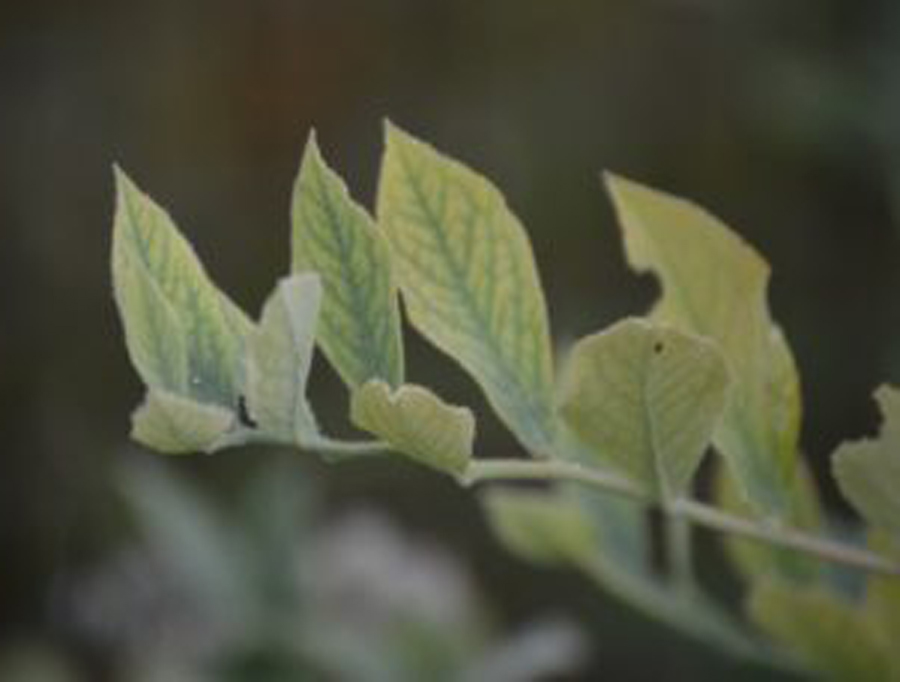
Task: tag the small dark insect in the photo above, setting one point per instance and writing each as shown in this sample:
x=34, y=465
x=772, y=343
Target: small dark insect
x=658, y=347
x=244, y=414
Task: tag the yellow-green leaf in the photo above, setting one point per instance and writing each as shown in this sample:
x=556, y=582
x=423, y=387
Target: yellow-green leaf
x=469, y=280
x=829, y=635
x=540, y=526
x=715, y=285
x=882, y=604
x=417, y=423
x=868, y=471
x=154, y=334
x=279, y=355
x=163, y=291
x=359, y=330
x=756, y=560
x=174, y=424
x=646, y=399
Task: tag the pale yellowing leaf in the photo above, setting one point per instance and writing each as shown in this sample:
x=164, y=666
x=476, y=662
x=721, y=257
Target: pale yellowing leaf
x=646, y=400
x=829, y=635
x=469, y=280
x=359, y=330
x=279, y=355
x=173, y=424
x=868, y=471
x=715, y=285
x=162, y=289
x=417, y=423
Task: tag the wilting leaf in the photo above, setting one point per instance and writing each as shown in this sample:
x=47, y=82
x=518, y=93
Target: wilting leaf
x=417, y=423
x=646, y=399
x=183, y=334
x=829, y=635
x=868, y=471
x=360, y=327
x=469, y=280
x=715, y=285
x=176, y=425
x=279, y=355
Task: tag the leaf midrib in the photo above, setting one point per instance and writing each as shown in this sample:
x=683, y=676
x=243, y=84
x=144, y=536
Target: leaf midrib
x=470, y=304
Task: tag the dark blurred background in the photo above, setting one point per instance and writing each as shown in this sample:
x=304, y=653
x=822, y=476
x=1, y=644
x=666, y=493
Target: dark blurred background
x=781, y=116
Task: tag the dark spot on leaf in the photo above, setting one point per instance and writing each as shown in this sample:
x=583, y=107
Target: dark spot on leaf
x=658, y=347
x=244, y=414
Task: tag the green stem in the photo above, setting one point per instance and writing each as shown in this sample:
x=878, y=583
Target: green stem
x=679, y=546
x=340, y=450
x=688, y=510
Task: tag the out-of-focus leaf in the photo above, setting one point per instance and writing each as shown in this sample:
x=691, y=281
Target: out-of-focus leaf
x=756, y=560
x=469, y=280
x=279, y=355
x=882, y=604
x=602, y=537
x=715, y=285
x=360, y=327
x=173, y=314
x=172, y=424
x=646, y=399
x=416, y=423
x=868, y=471
x=539, y=526
x=830, y=636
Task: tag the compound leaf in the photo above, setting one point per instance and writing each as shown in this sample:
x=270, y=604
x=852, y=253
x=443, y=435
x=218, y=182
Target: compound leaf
x=469, y=280
x=417, y=423
x=360, y=327
x=279, y=355
x=868, y=471
x=715, y=285
x=646, y=399
x=174, y=424
x=183, y=334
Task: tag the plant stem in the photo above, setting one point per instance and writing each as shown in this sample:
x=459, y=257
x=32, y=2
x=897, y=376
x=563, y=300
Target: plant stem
x=689, y=510
x=338, y=450
x=680, y=552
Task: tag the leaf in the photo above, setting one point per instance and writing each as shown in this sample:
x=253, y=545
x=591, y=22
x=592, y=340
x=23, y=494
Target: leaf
x=715, y=285
x=360, y=327
x=417, y=423
x=279, y=355
x=828, y=634
x=882, y=603
x=606, y=538
x=154, y=334
x=868, y=471
x=469, y=280
x=183, y=334
x=176, y=425
x=646, y=399
x=756, y=560
x=539, y=526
